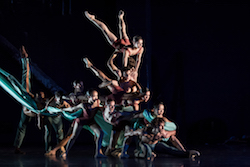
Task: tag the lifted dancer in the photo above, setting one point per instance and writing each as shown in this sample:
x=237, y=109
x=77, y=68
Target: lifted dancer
x=119, y=87
x=121, y=44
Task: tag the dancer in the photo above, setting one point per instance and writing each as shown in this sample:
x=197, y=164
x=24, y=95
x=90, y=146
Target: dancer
x=158, y=111
x=26, y=114
x=117, y=72
x=170, y=127
x=122, y=43
x=117, y=87
x=150, y=141
x=87, y=118
x=122, y=119
x=54, y=122
x=78, y=88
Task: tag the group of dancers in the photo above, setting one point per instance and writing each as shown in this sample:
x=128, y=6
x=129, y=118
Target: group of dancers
x=115, y=120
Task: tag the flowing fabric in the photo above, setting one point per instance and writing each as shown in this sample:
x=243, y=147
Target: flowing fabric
x=17, y=91
x=105, y=126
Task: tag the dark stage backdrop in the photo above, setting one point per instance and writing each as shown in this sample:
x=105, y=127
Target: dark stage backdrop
x=196, y=59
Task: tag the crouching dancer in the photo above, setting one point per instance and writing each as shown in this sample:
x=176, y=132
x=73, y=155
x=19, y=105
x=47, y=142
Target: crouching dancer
x=150, y=141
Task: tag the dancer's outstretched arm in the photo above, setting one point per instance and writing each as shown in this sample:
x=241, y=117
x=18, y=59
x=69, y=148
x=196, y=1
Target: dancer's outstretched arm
x=71, y=109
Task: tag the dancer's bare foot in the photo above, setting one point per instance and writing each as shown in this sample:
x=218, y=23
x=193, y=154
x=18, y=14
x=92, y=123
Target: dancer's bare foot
x=89, y=16
x=63, y=156
x=121, y=14
x=152, y=157
x=87, y=62
x=62, y=150
x=52, y=152
x=194, y=154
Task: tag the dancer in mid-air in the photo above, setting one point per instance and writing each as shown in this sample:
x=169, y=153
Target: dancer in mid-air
x=121, y=44
x=117, y=87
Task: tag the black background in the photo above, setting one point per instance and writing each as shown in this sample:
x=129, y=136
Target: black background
x=196, y=58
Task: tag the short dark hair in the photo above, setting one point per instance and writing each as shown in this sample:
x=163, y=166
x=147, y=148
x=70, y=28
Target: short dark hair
x=157, y=121
x=157, y=104
x=78, y=81
x=59, y=93
x=137, y=38
x=145, y=90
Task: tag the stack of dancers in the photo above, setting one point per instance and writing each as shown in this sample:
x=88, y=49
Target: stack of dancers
x=115, y=120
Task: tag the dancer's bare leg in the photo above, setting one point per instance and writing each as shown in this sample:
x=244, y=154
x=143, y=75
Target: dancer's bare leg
x=106, y=81
x=122, y=26
x=95, y=70
x=111, y=38
x=59, y=146
x=176, y=142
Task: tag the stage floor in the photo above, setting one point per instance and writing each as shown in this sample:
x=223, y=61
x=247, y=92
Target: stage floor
x=236, y=155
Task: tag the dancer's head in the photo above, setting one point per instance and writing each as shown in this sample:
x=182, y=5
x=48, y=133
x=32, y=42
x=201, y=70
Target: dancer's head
x=110, y=105
x=158, y=123
x=73, y=99
x=137, y=41
x=58, y=96
x=126, y=73
x=159, y=109
x=92, y=95
x=147, y=94
x=78, y=85
x=40, y=100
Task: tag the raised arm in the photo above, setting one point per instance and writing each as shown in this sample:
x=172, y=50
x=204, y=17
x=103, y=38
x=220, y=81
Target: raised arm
x=70, y=109
x=138, y=60
x=26, y=73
